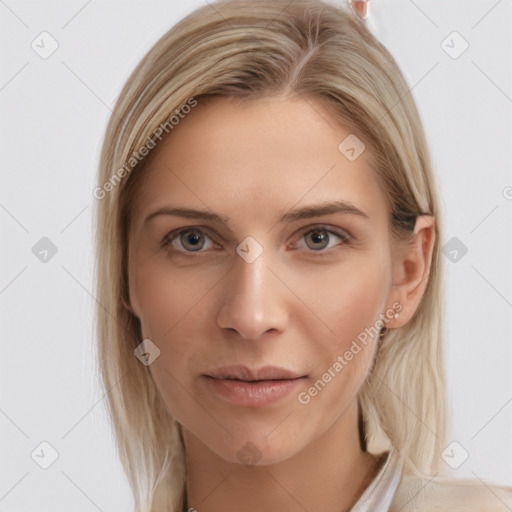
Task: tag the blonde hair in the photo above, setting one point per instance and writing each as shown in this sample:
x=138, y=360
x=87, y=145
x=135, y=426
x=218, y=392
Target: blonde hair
x=257, y=49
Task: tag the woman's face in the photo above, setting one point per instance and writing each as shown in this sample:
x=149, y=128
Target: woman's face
x=262, y=277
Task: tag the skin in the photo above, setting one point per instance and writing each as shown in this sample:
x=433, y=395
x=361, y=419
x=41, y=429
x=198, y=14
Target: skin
x=300, y=304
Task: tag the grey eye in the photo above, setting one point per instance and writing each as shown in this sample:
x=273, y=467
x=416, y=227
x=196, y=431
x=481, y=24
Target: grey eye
x=192, y=240
x=319, y=239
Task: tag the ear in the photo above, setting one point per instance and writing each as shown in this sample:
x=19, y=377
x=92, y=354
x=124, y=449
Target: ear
x=411, y=270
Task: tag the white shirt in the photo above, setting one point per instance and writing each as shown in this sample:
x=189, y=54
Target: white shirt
x=379, y=494
x=394, y=491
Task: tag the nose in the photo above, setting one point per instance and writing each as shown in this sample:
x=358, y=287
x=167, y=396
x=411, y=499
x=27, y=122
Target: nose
x=253, y=301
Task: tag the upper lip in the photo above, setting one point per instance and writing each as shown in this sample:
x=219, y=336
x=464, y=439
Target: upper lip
x=240, y=372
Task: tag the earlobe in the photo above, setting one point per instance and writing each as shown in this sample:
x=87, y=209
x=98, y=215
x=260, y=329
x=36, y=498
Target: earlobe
x=412, y=269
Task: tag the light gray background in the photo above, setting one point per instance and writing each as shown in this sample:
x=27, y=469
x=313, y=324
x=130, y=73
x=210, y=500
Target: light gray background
x=53, y=115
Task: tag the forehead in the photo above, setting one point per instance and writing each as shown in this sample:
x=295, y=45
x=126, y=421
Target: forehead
x=258, y=158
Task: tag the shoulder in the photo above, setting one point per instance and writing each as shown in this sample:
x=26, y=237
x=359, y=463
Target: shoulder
x=445, y=494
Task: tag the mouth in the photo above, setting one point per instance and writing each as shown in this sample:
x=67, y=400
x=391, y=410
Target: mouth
x=245, y=374
x=243, y=386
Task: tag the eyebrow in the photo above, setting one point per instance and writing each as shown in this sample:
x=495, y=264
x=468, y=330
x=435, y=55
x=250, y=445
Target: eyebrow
x=299, y=214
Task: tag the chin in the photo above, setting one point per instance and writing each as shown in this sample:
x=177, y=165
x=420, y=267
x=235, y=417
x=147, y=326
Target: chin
x=257, y=449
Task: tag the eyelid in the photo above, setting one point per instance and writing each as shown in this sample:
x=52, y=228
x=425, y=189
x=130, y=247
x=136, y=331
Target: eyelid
x=341, y=232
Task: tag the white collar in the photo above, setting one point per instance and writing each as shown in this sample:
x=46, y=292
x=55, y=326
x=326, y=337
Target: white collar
x=379, y=494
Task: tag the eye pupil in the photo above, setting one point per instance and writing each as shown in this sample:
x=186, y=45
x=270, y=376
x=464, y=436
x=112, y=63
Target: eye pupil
x=318, y=237
x=193, y=238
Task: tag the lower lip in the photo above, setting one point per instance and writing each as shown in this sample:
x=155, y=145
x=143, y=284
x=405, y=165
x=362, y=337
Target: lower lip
x=253, y=393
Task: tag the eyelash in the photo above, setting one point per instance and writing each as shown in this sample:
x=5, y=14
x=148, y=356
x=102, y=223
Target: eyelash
x=345, y=237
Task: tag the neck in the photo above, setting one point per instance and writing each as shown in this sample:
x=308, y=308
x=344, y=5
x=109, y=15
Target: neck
x=329, y=474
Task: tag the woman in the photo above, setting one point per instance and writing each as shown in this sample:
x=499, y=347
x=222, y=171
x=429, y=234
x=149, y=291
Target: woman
x=269, y=272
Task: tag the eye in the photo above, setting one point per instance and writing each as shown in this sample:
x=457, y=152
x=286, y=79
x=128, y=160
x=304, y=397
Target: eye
x=320, y=238
x=188, y=240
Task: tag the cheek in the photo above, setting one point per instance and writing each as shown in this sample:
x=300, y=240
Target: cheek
x=347, y=298
x=349, y=301
x=342, y=360
x=165, y=298
x=172, y=306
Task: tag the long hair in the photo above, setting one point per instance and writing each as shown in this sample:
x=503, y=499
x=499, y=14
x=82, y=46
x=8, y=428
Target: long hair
x=257, y=49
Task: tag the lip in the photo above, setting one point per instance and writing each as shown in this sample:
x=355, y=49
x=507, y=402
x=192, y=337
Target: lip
x=252, y=387
x=240, y=372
